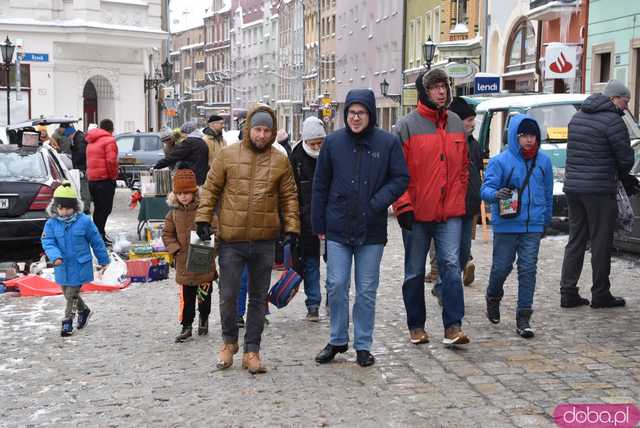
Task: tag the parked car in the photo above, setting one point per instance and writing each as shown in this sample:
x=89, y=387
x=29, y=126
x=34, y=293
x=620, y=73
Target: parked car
x=138, y=151
x=28, y=177
x=631, y=242
x=553, y=113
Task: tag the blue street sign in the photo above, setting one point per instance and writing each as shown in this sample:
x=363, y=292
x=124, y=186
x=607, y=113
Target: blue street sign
x=486, y=84
x=35, y=57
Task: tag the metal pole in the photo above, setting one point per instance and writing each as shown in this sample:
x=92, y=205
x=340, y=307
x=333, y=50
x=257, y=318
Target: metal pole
x=8, y=95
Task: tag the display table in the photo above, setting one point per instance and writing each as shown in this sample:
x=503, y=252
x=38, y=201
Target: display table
x=151, y=209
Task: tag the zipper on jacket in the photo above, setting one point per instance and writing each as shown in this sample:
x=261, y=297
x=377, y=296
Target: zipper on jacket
x=253, y=178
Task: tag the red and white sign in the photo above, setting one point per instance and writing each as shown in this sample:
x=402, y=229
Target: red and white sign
x=560, y=61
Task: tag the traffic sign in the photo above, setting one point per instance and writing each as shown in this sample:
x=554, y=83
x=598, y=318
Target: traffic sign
x=35, y=57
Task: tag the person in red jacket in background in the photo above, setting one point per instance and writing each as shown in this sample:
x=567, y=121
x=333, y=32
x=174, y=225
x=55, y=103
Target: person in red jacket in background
x=102, y=172
x=435, y=148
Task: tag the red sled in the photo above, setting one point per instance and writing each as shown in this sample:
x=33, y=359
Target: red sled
x=35, y=286
x=90, y=287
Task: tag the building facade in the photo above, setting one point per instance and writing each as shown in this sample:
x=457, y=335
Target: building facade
x=86, y=59
x=217, y=51
x=613, y=47
x=311, y=77
x=187, y=56
x=327, y=65
x=371, y=26
x=291, y=66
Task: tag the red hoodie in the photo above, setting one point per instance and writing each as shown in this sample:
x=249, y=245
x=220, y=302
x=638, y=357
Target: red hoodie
x=436, y=152
x=102, y=155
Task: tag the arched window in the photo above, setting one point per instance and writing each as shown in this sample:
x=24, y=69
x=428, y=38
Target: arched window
x=521, y=51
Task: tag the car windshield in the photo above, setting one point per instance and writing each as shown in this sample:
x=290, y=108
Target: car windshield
x=150, y=143
x=21, y=166
x=636, y=167
x=553, y=121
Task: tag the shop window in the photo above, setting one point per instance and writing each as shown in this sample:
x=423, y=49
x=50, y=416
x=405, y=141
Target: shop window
x=521, y=51
x=604, y=71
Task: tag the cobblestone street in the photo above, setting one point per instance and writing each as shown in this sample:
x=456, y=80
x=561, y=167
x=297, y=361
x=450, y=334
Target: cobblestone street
x=125, y=370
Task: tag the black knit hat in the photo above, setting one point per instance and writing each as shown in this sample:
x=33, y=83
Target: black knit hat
x=215, y=118
x=529, y=127
x=460, y=107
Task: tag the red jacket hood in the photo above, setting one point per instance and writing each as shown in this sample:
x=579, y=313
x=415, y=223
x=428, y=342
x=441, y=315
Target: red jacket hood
x=95, y=134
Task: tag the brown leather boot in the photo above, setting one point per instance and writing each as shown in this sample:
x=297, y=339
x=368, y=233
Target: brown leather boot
x=225, y=356
x=251, y=361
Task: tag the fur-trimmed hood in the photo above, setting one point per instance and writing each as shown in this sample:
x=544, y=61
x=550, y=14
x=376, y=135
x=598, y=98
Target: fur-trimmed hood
x=430, y=78
x=172, y=202
x=51, y=209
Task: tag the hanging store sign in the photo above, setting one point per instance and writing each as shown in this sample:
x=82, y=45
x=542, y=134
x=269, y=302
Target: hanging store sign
x=560, y=61
x=461, y=71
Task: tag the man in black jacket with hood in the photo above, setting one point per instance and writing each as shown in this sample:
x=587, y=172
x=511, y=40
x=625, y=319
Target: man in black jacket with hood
x=192, y=150
x=598, y=155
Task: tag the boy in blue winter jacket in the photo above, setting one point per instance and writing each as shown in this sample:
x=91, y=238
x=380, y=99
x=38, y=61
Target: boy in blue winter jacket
x=519, y=185
x=68, y=237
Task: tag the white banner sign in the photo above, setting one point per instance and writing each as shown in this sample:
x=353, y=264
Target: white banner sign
x=560, y=61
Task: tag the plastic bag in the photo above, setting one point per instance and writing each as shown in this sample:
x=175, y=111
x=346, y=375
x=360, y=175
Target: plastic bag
x=116, y=272
x=624, y=222
x=121, y=244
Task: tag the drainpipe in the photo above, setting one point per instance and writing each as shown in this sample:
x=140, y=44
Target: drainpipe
x=583, y=65
x=538, y=51
x=402, y=55
x=483, y=60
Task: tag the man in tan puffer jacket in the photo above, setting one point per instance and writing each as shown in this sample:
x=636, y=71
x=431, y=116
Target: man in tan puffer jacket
x=253, y=184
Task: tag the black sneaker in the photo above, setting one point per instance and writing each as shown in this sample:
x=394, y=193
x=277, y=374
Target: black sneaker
x=572, y=301
x=83, y=318
x=329, y=352
x=184, y=334
x=364, y=358
x=313, y=315
x=203, y=327
x=493, y=309
x=240, y=322
x=523, y=328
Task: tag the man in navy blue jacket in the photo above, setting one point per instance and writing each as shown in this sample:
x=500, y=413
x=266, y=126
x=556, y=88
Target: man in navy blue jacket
x=360, y=172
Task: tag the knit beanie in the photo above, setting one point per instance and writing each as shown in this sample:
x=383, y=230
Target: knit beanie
x=214, y=118
x=615, y=88
x=65, y=196
x=188, y=127
x=460, y=107
x=184, y=181
x=261, y=118
x=313, y=129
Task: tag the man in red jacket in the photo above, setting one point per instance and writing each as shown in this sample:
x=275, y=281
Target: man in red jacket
x=435, y=149
x=102, y=172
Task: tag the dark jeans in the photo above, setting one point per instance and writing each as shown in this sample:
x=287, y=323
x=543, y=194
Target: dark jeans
x=188, y=295
x=233, y=256
x=102, y=193
x=505, y=248
x=592, y=218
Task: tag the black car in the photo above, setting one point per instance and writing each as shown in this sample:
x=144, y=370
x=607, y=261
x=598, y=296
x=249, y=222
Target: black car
x=137, y=152
x=28, y=177
x=631, y=242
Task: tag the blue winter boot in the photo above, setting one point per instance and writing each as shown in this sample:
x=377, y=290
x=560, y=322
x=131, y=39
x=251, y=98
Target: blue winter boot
x=83, y=317
x=67, y=328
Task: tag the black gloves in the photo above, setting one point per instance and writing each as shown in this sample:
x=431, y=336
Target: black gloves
x=291, y=239
x=504, y=193
x=405, y=220
x=203, y=229
x=631, y=184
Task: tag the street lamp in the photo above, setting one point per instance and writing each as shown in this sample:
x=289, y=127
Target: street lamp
x=384, y=90
x=428, y=51
x=7, y=55
x=167, y=70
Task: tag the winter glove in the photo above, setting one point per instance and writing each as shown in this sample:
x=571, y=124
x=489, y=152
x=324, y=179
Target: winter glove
x=630, y=184
x=504, y=193
x=405, y=220
x=203, y=229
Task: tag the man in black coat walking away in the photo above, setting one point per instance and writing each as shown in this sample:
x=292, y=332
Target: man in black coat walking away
x=78, y=147
x=598, y=155
x=303, y=159
x=192, y=150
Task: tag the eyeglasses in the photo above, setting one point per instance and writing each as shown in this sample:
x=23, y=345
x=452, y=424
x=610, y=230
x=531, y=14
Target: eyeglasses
x=357, y=114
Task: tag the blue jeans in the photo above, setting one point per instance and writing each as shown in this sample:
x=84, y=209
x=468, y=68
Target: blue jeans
x=242, y=295
x=465, y=248
x=312, y=282
x=367, y=275
x=416, y=247
x=505, y=248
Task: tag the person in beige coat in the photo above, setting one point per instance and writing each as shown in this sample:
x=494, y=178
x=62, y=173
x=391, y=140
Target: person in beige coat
x=254, y=186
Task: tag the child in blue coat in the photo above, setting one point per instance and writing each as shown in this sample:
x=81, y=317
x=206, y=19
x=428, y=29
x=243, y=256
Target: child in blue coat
x=68, y=237
x=519, y=186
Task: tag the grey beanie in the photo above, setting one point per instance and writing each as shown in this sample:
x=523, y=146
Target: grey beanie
x=312, y=129
x=188, y=128
x=261, y=118
x=615, y=88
